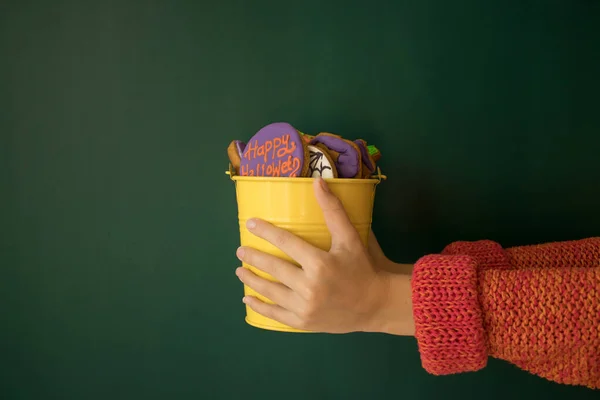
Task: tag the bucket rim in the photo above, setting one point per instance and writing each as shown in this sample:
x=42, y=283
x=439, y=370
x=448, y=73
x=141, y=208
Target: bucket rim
x=377, y=178
x=301, y=179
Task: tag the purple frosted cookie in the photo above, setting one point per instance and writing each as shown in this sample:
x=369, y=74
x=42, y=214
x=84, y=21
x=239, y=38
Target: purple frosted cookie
x=275, y=150
x=346, y=154
x=239, y=146
x=367, y=159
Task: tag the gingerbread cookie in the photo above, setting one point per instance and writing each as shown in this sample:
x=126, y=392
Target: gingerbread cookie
x=306, y=138
x=275, y=150
x=374, y=152
x=346, y=154
x=367, y=160
x=321, y=164
x=234, y=152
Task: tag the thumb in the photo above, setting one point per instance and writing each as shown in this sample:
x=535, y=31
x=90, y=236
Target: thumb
x=343, y=233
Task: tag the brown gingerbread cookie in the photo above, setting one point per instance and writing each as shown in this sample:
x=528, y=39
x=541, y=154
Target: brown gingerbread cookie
x=374, y=152
x=347, y=154
x=368, y=162
x=234, y=152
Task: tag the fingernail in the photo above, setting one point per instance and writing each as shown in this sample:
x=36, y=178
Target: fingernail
x=251, y=224
x=240, y=252
x=245, y=300
x=323, y=184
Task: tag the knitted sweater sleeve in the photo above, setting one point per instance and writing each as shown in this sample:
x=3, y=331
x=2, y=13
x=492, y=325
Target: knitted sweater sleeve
x=537, y=307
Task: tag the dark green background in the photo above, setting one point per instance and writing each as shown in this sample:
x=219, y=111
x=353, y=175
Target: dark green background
x=119, y=225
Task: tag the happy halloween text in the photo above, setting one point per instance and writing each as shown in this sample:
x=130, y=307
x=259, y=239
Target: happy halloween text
x=274, y=157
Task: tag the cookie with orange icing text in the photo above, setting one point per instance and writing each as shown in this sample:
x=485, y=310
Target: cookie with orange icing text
x=234, y=152
x=346, y=154
x=321, y=164
x=275, y=150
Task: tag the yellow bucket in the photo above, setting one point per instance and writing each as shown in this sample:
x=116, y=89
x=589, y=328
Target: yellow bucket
x=290, y=203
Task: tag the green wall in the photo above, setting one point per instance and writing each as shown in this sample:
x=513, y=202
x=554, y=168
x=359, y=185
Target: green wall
x=119, y=227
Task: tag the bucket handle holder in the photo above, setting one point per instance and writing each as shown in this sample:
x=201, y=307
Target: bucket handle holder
x=231, y=171
x=379, y=176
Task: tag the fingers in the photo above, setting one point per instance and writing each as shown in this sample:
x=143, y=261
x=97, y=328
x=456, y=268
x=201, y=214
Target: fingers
x=290, y=244
x=272, y=311
x=285, y=272
x=274, y=291
x=343, y=233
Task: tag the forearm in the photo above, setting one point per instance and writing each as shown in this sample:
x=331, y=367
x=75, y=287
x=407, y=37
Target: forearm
x=545, y=321
x=395, y=268
x=583, y=253
x=524, y=305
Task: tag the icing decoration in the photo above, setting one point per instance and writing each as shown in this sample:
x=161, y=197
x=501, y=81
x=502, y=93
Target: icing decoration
x=240, y=146
x=374, y=152
x=275, y=150
x=320, y=163
x=366, y=157
x=347, y=163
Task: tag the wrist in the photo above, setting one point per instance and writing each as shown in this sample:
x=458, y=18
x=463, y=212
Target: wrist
x=394, y=314
x=397, y=268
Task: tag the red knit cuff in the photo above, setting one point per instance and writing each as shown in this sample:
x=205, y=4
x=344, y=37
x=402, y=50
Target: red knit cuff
x=486, y=253
x=447, y=314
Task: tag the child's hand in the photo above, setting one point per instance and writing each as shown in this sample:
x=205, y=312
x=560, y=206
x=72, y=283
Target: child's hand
x=337, y=291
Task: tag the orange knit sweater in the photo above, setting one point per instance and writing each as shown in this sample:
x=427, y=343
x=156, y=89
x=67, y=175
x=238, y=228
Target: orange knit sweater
x=537, y=307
